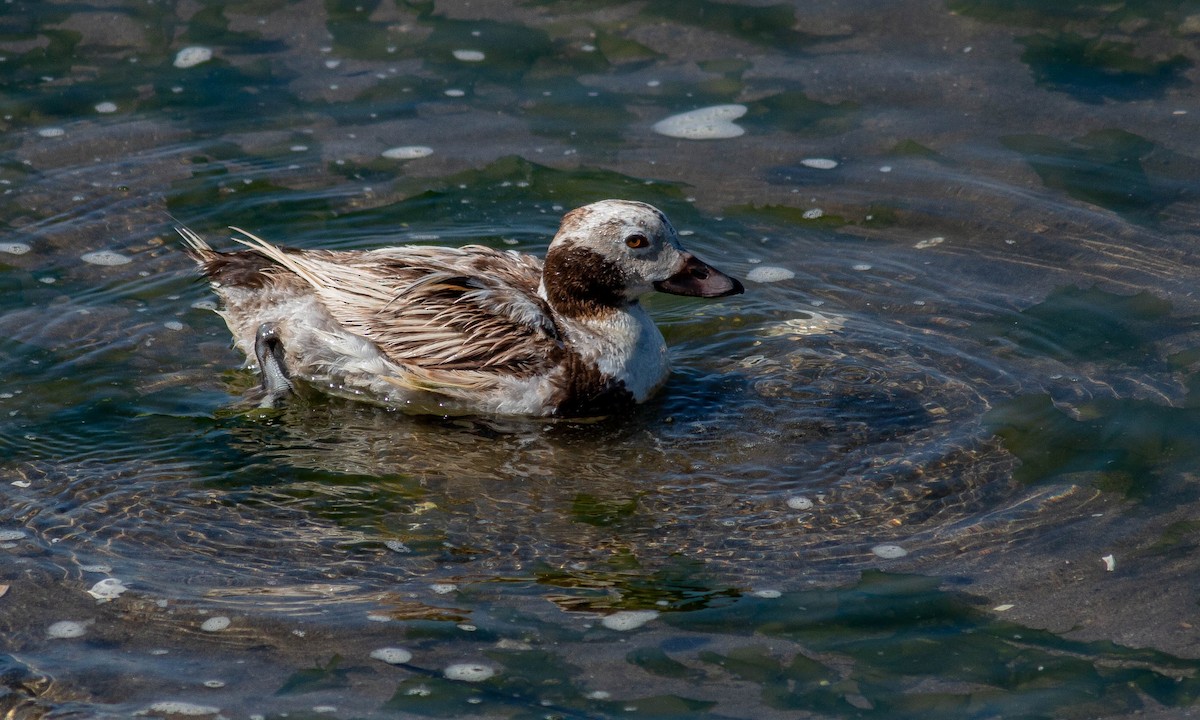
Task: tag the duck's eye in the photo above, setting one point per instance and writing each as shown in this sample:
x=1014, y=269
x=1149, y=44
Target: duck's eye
x=637, y=241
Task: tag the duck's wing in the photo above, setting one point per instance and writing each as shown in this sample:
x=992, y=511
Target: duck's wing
x=446, y=315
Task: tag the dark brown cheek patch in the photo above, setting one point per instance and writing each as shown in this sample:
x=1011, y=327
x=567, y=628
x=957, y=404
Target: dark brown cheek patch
x=581, y=282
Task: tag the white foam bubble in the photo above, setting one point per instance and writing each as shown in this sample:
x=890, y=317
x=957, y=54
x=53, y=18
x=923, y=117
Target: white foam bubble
x=708, y=123
x=819, y=163
x=468, y=672
x=407, y=152
x=769, y=273
x=799, y=502
x=469, y=55
x=177, y=707
x=931, y=242
x=392, y=655
x=64, y=629
x=51, y=132
x=104, y=257
x=455, y=93
x=106, y=107
x=107, y=589
x=216, y=623
x=443, y=588
x=813, y=214
x=767, y=594
x=14, y=248
x=889, y=552
x=628, y=619
x=192, y=56
x=10, y=535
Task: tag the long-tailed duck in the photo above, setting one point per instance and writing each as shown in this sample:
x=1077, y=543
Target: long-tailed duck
x=468, y=330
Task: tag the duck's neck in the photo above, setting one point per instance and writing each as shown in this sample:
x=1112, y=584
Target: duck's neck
x=622, y=342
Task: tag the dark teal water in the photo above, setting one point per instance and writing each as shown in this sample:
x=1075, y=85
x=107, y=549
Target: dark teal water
x=985, y=355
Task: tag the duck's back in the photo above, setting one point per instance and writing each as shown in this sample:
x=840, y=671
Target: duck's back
x=425, y=328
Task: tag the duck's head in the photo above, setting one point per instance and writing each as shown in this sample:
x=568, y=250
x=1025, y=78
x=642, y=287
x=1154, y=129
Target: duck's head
x=610, y=253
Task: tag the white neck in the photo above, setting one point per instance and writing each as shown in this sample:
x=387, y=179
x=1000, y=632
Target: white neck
x=624, y=344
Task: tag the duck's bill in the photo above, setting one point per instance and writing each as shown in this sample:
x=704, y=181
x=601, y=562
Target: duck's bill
x=699, y=279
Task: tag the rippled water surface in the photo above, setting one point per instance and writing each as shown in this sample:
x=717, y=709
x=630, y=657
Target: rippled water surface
x=938, y=461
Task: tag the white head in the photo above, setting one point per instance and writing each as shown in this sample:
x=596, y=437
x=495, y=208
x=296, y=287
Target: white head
x=608, y=254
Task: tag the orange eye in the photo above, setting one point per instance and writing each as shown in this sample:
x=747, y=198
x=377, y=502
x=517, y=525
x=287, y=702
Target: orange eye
x=637, y=241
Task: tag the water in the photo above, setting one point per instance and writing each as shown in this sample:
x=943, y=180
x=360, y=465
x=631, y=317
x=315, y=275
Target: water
x=882, y=483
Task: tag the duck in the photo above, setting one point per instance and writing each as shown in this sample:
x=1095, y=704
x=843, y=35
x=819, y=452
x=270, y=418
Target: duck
x=467, y=330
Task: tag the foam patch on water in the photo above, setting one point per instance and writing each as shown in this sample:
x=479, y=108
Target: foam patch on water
x=66, y=629
x=819, y=163
x=709, y=123
x=14, y=248
x=215, y=624
x=407, y=152
x=392, y=655
x=106, y=107
x=799, y=502
x=628, y=619
x=469, y=55
x=10, y=535
x=192, y=56
x=51, y=132
x=468, y=672
x=177, y=707
x=769, y=274
x=889, y=552
x=107, y=589
x=104, y=257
